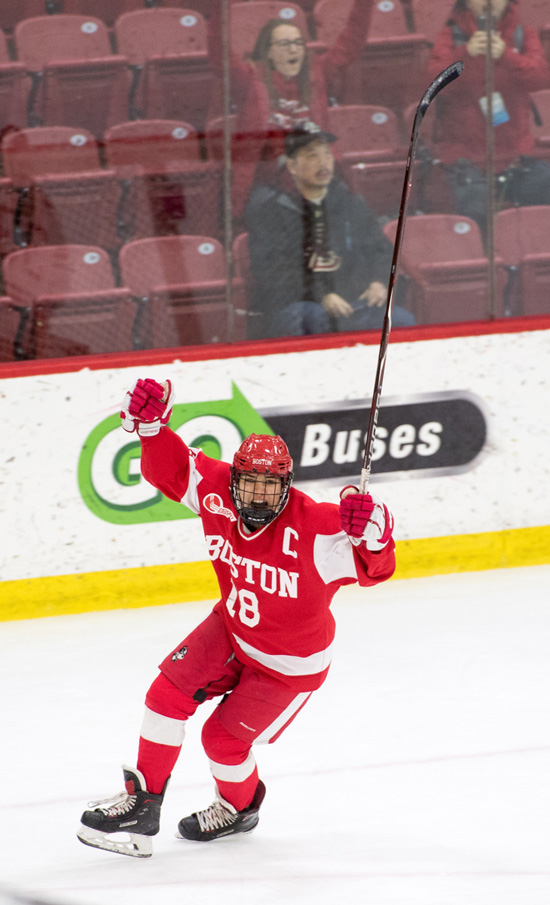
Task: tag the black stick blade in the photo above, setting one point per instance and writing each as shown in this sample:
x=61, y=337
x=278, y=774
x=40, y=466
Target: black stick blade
x=448, y=75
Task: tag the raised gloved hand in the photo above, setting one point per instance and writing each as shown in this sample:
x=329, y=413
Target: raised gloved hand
x=147, y=407
x=365, y=518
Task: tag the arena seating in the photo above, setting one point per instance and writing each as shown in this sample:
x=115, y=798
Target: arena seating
x=65, y=196
x=391, y=68
x=169, y=188
x=370, y=148
x=77, y=80
x=167, y=49
x=522, y=239
x=180, y=282
x=69, y=300
x=444, y=258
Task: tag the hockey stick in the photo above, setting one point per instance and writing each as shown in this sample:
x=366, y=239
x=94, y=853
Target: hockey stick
x=448, y=75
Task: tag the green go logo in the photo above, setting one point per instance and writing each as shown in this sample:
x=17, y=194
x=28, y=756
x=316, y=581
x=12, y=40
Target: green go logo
x=109, y=475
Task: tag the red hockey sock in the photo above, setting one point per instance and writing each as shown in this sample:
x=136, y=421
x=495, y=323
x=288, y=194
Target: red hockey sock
x=239, y=794
x=157, y=758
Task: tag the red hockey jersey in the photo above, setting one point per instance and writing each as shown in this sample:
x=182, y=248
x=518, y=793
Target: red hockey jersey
x=276, y=584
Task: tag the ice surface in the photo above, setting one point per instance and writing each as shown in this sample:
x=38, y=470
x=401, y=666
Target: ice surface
x=418, y=775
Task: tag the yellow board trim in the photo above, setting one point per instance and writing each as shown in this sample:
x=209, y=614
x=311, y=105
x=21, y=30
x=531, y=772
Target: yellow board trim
x=63, y=595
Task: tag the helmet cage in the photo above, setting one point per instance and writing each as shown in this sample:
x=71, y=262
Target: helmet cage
x=260, y=455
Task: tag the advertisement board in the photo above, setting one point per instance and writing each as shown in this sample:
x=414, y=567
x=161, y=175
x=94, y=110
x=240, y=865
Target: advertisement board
x=460, y=457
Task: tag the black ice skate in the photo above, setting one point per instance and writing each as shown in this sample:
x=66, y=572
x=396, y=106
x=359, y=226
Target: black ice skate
x=221, y=819
x=135, y=812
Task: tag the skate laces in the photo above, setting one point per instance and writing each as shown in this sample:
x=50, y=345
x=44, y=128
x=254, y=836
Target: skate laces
x=116, y=806
x=215, y=817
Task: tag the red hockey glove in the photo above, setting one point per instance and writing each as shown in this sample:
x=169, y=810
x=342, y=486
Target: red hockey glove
x=365, y=518
x=147, y=407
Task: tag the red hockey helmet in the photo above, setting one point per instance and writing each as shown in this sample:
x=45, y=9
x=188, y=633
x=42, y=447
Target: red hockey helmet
x=258, y=455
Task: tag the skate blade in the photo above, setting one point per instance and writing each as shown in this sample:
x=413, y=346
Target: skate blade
x=134, y=845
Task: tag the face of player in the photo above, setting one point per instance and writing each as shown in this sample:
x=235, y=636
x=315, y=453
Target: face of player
x=287, y=50
x=259, y=491
x=479, y=7
x=312, y=167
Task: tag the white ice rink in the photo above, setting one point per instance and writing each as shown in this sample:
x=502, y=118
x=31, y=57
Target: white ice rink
x=418, y=775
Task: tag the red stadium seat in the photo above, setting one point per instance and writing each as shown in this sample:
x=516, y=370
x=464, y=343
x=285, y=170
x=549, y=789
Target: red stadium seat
x=444, y=258
x=181, y=282
x=369, y=147
x=77, y=80
x=106, y=10
x=246, y=20
x=170, y=190
x=14, y=90
x=71, y=301
x=391, y=68
x=522, y=239
x=10, y=319
x=168, y=50
x=65, y=195
x=13, y=11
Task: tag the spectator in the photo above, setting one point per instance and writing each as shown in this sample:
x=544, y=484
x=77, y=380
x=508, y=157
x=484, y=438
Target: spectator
x=319, y=259
x=281, y=85
x=519, y=68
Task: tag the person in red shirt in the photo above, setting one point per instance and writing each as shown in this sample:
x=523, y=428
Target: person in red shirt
x=279, y=558
x=520, y=67
x=282, y=85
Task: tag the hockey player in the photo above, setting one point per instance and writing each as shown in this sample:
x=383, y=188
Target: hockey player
x=279, y=558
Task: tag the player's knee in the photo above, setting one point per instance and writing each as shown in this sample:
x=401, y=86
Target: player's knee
x=165, y=698
x=220, y=745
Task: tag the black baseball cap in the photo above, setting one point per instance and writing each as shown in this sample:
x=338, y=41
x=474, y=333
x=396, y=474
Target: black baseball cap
x=303, y=135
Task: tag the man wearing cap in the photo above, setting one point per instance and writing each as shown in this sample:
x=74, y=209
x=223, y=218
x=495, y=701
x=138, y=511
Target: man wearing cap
x=319, y=259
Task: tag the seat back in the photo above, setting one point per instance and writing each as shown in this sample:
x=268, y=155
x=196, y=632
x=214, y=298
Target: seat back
x=330, y=16
x=247, y=19
x=49, y=149
x=148, y=265
x=153, y=145
x=44, y=39
x=433, y=238
x=522, y=239
x=183, y=280
x=521, y=231
x=366, y=131
x=56, y=270
x=155, y=32
x=74, y=307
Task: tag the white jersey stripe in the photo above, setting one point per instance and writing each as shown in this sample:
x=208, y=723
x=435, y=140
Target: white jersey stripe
x=286, y=664
x=265, y=737
x=235, y=772
x=162, y=729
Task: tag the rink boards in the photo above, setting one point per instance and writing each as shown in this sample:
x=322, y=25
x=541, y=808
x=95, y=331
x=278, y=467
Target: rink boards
x=461, y=457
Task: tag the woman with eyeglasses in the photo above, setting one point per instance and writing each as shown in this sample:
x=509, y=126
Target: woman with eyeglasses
x=282, y=85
